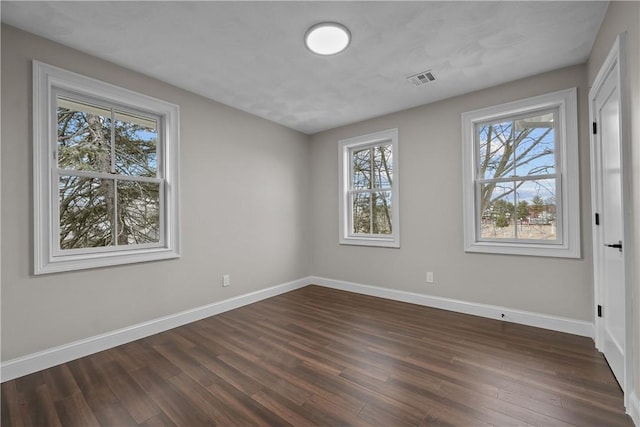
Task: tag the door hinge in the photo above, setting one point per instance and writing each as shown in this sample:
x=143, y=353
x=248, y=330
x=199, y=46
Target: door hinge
x=594, y=127
x=597, y=219
x=599, y=310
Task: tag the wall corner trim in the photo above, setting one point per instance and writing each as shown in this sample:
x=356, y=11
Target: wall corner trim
x=544, y=321
x=38, y=361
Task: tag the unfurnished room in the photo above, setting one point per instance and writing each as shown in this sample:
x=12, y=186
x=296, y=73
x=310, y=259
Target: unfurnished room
x=301, y=213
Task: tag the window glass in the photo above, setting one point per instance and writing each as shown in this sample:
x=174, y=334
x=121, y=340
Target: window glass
x=135, y=145
x=138, y=212
x=372, y=170
x=86, y=212
x=516, y=167
x=84, y=136
x=96, y=211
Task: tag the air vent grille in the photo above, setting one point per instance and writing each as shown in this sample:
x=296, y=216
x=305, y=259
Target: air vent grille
x=421, y=79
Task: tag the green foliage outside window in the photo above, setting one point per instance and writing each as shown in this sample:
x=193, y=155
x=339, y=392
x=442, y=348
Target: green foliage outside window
x=107, y=163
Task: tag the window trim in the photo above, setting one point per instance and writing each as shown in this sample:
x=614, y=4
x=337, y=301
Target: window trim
x=565, y=101
x=48, y=81
x=345, y=148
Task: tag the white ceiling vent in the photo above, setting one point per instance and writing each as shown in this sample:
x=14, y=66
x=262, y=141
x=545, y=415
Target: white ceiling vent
x=421, y=79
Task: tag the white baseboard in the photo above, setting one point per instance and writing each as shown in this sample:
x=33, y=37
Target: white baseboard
x=634, y=407
x=61, y=354
x=35, y=362
x=545, y=321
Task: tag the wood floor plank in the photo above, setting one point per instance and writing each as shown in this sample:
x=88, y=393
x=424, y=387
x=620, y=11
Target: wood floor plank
x=73, y=411
x=137, y=402
x=218, y=412
x=159, y=420
x=286, y=409
x=12, y=413
x=229, y=374
x=336, y=412
x=107, y=408
x=443, y=416
x=322, y=357
x=39, y=408
x=61, y=382
x=582, y=416
x=287, y=389
x=386, y=415
x=187, y=363
x=86, y=373
x=249, y=409
x=28, y=402
x=175, y=405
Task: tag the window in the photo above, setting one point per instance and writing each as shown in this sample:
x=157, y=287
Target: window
x=520, y=175
x=369, y=198
x=105, y=174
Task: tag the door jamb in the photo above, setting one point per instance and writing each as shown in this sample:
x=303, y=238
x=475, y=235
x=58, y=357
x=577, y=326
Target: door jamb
x=617, y=55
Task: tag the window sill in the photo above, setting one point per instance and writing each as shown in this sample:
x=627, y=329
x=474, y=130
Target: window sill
x=526, y=249
x=59, y=264
x=371, y=241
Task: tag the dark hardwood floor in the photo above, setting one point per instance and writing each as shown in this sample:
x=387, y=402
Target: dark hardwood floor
x=318, y=356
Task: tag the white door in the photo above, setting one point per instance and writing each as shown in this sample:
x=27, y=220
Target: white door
x=608, y=235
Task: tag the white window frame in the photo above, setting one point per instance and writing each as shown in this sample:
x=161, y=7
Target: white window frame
x=567, y=169
x=48, y=82
x=346, y=146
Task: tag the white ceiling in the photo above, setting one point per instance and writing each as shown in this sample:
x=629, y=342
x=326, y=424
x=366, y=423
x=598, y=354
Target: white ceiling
x=251, y=56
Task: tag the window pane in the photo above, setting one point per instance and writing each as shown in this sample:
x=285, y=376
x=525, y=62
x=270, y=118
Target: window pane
x=537, y=209
x=498, y=211
x=361, y=169
x=495, y=150
x=524, y=146
x=361, y=213
x=136, y=145
x=383, y=166
x=138, y=212
x=382, y=212
x=86, y=212
x=535, y=145
x=84, y=136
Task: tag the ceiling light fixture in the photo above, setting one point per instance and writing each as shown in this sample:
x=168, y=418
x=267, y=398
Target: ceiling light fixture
x=327, y=38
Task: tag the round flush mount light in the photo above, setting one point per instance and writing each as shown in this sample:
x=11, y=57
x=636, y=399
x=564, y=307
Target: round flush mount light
x=327, y=38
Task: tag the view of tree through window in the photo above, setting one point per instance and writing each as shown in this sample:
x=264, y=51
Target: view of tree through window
x=516, y=175
x=109, y=191
x=371, y=182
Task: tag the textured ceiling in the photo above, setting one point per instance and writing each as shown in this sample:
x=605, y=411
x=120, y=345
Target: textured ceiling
x=250, y=55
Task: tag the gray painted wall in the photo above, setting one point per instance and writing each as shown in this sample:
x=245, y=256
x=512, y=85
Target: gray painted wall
x=431, y=213
x=244, y=212
x=625, y=16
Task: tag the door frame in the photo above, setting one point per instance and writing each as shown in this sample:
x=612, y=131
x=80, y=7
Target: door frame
x=617, y=55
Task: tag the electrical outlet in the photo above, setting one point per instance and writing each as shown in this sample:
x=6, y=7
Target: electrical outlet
x=226, y=280
x=429, y=276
